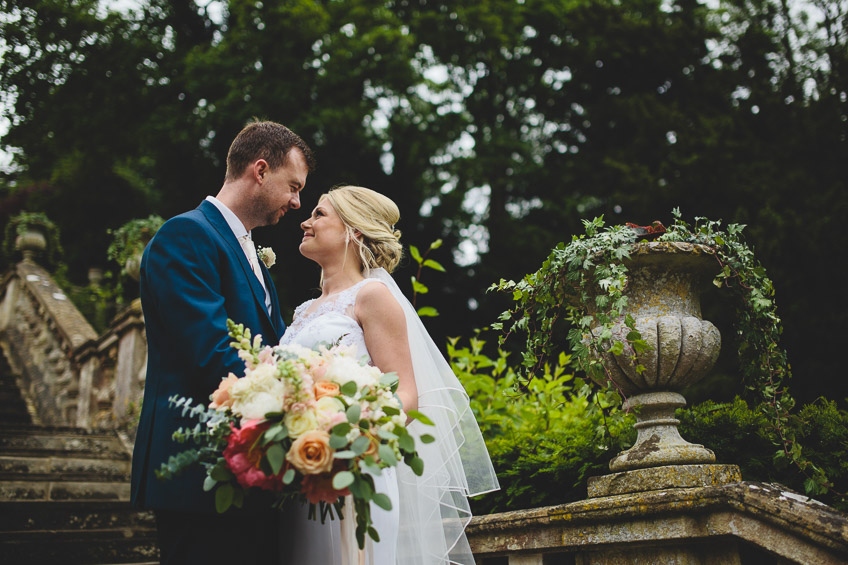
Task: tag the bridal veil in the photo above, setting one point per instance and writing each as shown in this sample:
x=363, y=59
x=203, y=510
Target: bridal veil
x=434, y=508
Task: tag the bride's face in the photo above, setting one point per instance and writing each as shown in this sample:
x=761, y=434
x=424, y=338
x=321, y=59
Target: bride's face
x=323, y=233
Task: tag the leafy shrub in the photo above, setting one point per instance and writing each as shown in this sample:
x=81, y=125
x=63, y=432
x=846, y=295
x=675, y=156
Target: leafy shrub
x=745, y=437
x=545, y=441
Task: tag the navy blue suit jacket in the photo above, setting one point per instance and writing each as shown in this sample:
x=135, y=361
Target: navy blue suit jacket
x=194, y=275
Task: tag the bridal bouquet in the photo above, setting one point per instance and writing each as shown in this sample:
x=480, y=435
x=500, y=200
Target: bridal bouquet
x=315, y=424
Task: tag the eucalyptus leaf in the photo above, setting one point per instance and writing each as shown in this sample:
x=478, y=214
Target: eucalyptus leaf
x=343, y=479
x=416, y=415
x=223, y=497
x=382, y=500
x=353, y=413
x=360, y=445
x=209, y=483
x=387, y=454
x=338, y=441
x=276, y=457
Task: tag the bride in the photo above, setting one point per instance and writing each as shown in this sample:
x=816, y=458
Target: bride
x=351, y=235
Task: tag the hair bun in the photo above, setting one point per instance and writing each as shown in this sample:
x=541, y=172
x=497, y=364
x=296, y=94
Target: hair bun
x=373, y=215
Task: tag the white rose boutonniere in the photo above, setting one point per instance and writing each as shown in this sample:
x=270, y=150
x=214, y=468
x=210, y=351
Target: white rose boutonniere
x=267, y=256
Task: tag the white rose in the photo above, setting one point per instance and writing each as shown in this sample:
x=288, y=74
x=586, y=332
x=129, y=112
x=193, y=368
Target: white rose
x=342, y=370
x=301, y=423
x=329, y=404
x=257, y=394
x=263, y=371
x=297, y=350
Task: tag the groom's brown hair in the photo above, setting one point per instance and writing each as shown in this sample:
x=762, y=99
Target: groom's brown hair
x=264, y=140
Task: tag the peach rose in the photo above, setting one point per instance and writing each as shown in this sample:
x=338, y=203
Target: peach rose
x=311, y=453
x=221, y=397
x=326, y=388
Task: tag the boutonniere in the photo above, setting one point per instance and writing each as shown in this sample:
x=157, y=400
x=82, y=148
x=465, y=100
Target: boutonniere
x=267, y=256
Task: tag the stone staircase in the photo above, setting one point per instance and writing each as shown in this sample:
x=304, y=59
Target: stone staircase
x=64, y=492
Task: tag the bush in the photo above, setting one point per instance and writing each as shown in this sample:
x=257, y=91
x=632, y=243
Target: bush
x=546, y=440
x=745, y=437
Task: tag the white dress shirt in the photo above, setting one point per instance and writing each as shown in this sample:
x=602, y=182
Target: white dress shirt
x=239, y=231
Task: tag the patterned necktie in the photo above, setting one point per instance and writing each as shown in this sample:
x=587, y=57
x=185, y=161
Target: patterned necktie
x=252, y=258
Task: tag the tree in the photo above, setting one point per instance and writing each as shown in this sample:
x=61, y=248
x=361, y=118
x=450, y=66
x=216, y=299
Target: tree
x=499, y=122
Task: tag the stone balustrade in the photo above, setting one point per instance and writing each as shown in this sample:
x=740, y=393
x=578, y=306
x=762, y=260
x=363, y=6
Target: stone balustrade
x=679, y=514
x=69, y=375
x=736, y=523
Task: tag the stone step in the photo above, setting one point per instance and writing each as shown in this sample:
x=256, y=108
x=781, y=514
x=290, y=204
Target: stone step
x=72, y=515
x=44, y=442
x=17, y=415
x=62, y=468
x=123, y=545
x=31, y=429
x=10, y=394
x=63, y=490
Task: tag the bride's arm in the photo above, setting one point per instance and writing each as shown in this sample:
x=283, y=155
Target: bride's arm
x=384, y=328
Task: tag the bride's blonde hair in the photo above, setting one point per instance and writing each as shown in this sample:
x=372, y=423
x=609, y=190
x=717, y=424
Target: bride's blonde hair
x=374, y=216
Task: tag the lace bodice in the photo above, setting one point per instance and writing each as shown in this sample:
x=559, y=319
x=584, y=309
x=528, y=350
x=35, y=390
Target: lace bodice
x=330, y=322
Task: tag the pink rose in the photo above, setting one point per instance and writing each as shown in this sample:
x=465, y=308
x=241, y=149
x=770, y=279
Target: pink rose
x=244, y=455
x=221, y=397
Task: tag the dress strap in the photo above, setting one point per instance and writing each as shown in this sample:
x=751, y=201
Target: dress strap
x=346, y=300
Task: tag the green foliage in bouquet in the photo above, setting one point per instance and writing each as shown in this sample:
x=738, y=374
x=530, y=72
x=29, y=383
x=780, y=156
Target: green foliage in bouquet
x=210, y=436
x=242, y=445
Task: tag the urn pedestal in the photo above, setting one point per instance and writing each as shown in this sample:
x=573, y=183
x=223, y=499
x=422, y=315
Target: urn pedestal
x=31, y=243
x=663, y=297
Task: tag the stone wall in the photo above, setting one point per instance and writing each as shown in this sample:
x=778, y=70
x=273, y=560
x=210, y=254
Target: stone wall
x=741, y=522
x=69, y=375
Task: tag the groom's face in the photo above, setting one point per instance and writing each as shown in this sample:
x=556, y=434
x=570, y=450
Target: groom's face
x=281, y=189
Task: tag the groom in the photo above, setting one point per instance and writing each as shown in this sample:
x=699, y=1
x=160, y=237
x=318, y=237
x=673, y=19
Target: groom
x=200, y=269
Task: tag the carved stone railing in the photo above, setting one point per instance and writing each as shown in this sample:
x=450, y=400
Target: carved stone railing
x=68, y=374
x=677, y=514
x=735, y=523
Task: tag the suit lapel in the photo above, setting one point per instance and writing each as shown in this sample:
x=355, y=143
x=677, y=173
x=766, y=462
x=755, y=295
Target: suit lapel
x=276, y=318
x=220, y=224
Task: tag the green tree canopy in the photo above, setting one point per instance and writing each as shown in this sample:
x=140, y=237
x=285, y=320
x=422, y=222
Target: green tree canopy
x=495, y=125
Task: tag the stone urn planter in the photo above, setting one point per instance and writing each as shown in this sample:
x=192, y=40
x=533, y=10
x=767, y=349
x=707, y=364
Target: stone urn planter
x=663, y=291
x=31, y=243
x=132, y=266
x=129, y=241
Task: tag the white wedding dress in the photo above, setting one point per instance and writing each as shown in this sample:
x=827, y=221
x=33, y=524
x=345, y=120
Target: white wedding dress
x=309, y=542
x=426, y=525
